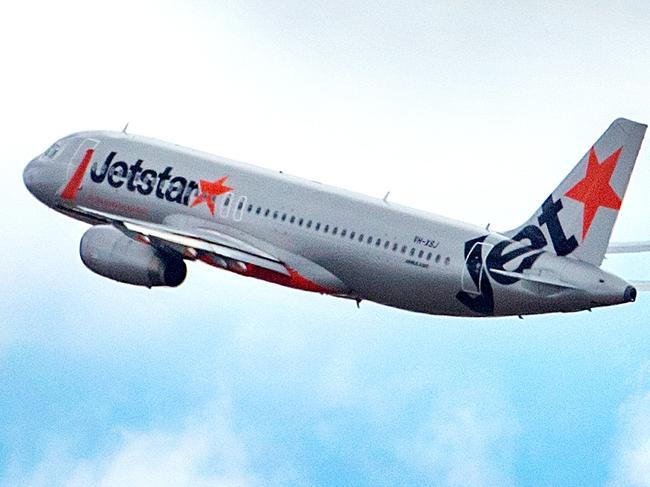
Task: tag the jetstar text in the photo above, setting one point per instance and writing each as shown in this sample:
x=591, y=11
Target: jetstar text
x=164, y=184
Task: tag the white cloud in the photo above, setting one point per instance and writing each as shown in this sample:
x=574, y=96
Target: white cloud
x=632, y=456
x=468, y=442
x=204, y=453
x=338, y=384
x=159, y=458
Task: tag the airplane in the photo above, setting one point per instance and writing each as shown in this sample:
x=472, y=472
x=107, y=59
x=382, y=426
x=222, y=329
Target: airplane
x=154, y=205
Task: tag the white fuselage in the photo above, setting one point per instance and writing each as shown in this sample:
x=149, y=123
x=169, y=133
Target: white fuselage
x=349, y=244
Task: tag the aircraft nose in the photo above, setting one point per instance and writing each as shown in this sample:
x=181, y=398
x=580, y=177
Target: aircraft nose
x=630, y=294
x=28, y=176
x=39, y=181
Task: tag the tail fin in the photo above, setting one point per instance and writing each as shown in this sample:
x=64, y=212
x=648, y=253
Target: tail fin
x=578, y=217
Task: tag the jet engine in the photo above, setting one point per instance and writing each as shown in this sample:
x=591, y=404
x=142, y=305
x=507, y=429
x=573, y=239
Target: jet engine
x=106, y=251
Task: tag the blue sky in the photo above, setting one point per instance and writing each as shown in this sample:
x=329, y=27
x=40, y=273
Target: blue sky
x=466, y=109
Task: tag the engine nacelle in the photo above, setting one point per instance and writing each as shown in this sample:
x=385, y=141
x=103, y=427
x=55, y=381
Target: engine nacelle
x=108, y=252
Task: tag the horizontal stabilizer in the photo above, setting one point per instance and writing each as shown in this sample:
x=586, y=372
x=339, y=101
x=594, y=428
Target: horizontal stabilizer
x=543, y=279
x=643, y=286
x=628, y=247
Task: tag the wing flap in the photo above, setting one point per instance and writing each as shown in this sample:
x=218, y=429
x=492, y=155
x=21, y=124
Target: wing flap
x=213, y=242
x=199, y=244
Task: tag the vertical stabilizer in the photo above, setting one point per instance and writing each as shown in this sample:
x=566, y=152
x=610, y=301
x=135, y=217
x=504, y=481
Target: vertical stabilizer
x=578, y=217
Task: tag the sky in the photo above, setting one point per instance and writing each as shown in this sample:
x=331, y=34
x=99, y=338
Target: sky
x=473, y=110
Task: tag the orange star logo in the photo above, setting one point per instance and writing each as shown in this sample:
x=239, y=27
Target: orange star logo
x=594, y=190
x=208, y=192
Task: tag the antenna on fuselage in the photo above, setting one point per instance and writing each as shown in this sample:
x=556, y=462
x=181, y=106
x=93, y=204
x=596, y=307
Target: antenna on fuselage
x=385, y=198
x=125, y=127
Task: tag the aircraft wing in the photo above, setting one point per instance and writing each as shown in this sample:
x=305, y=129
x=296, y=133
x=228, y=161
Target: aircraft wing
x=628, y=247
x=184, y=240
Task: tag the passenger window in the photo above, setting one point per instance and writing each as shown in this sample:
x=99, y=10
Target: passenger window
x=317, y=227
x=378, y=242
x=284, y=216
x=429, y=256
x=259, y=209
x=335, y=230
x=327, y=227
x=403, y=249
x=447, y=260
x=224, y=211
x=438, y=259
x=386, y=244
x=266, y=213
x=351, y=235
x=300, y=222
x=361, y=238
x=420, y=254
x=412, y=251
x=343, y=232
x=237, y=215
x=275, y=215
x=250, y=208
x=394, y=247
x=293, y=219
x=308, y=223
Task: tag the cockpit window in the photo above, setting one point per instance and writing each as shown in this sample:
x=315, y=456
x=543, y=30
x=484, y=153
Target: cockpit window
x=52, y=151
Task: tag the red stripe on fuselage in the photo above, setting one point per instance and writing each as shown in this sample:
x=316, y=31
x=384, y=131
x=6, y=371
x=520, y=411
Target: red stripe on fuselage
x=71, y=189
x=294, y=279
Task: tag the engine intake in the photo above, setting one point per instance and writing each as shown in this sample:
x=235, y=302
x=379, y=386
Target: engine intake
x=106, y=251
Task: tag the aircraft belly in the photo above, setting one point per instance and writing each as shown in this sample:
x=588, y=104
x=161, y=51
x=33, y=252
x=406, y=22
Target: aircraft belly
x=389, y=281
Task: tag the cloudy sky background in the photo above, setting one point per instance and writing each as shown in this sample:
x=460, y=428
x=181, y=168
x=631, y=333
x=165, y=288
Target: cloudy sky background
x=475, y=110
